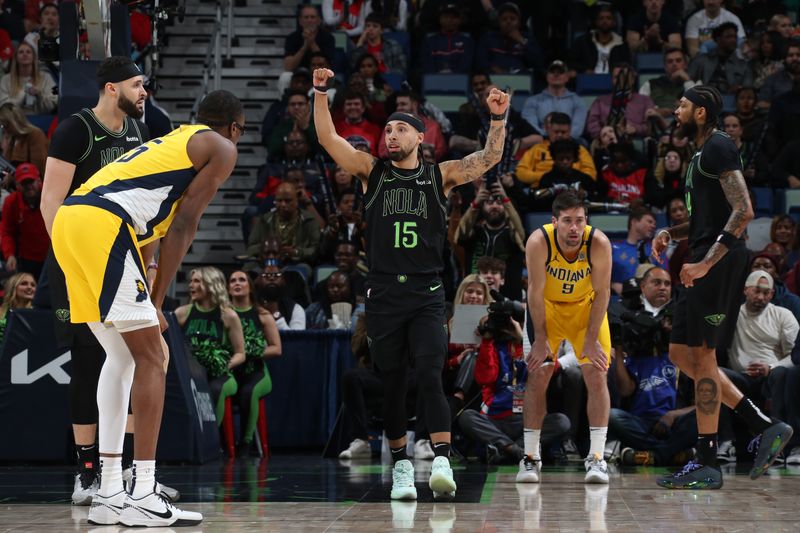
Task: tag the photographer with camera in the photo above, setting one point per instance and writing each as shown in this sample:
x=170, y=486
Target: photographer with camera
x=492, y=227
x=660, y=421
x=501, y=372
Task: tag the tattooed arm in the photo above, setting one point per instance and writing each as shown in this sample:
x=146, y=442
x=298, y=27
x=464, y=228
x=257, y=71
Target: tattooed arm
x=475, y=165
x=736, y=193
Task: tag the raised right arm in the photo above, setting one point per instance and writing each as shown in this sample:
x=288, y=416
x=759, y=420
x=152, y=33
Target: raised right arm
x=355, y=162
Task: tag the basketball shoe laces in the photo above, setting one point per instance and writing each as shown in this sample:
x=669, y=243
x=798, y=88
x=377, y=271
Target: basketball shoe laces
x=690, y=467
x=755, y=443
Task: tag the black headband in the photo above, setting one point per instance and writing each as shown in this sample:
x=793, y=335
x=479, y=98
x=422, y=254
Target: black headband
x=701, y=100
x=412, y=120
x=121, y=73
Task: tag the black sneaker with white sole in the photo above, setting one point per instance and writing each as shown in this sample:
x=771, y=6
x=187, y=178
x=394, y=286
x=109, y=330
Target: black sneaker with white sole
x=155, y=510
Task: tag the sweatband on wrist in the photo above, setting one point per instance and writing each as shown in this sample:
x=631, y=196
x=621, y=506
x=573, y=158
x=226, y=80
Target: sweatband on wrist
x=727, y=239
x=321, y=89
x=497, y=117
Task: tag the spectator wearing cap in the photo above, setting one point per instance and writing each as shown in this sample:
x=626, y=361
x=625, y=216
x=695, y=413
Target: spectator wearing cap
x=297, y=118
x=24, y=238
x=389, y=53
x=652, y=29
x=509, y=50
x=408, y=102
x=721, y=67
x=556, y=97
x=601, y=47
x=449, y=50
x=781, y=296
x=354, y=123
x=667, y=89
x=631, y=109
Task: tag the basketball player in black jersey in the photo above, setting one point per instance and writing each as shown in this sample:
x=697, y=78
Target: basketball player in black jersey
x=707, y=302
x=82, y=145
x=405, y=202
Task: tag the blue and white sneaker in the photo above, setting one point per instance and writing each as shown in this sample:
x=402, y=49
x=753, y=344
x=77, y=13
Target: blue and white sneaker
x=441, y=482
x=403, y=481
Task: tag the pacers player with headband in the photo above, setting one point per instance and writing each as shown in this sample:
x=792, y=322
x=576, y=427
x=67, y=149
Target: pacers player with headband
x=569, y=269
x=406, y=214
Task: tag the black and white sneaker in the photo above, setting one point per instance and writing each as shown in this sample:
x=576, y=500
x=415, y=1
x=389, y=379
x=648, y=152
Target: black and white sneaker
x=105, y=510
x=155, y=510
x=86, y=484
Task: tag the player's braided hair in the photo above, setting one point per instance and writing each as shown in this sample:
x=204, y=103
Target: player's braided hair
x=712, y=94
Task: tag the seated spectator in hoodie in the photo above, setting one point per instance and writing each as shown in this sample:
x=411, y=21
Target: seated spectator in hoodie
x=595, y=51
x=721, y=67
x=565, y=154
x=556, y=98
x=623, y=176
x=509, y=50
x=389, y=53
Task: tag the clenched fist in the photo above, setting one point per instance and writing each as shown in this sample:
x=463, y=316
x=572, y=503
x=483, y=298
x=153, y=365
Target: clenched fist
x=321, y=77
x=497, y=101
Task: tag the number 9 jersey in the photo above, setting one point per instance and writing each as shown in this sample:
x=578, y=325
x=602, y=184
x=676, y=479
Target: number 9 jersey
x=144, y=187
x=568, y=281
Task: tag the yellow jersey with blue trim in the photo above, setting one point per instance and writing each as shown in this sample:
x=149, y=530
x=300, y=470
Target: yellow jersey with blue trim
x=567, y=280
x=144, y=186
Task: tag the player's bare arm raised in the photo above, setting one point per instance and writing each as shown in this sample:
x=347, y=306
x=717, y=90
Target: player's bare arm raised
x=535, y=252
x=353, y=161
x=735, y=189
x=476, y=164
x=601, y=284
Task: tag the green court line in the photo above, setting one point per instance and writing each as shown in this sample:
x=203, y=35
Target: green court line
x=488, y=488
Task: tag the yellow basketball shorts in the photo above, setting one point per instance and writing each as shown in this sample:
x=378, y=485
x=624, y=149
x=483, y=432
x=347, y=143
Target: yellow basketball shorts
x=568, y=320
x=102, y=265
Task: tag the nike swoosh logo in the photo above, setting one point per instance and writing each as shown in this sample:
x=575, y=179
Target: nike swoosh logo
x=435, y=287
x=98, y=139
x=166, y=515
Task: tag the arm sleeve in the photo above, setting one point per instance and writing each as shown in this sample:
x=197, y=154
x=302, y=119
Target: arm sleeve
x=70, y=141
x=720, y=155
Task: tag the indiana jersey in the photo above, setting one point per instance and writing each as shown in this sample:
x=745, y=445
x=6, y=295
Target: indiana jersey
x=406, y=219
x=144, y=186
x=565, y=280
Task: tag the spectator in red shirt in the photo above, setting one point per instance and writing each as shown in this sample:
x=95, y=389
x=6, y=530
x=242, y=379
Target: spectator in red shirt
x=24, y=238
x=408, y=102
x=623, y=176
x=354, y=122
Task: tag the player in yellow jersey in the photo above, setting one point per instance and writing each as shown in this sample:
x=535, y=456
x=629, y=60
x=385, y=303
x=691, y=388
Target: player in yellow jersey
x=569, y=271
x=100, y=238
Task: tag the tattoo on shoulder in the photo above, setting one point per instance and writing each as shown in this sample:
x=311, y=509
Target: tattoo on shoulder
x=707, y=396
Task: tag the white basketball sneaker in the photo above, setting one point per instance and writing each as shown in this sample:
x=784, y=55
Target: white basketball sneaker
x=105, y=510
x=403, y=481
x=155, y=510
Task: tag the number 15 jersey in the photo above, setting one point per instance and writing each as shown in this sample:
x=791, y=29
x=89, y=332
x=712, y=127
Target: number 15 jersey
x=568, y=281
x=144, y=186
x=406, y=218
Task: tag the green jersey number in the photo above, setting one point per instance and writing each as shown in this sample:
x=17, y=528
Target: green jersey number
x=408, y=233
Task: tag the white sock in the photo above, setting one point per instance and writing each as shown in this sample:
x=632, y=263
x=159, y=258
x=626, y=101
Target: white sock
x=597, y=441
x=111, y=476
x=531, y=437
x=144, y=478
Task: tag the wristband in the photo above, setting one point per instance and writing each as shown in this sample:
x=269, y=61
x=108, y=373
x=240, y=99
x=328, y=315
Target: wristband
x=506, y=200
x=727, y=239
x=669, y=237
x=320, y=89
x=497, y=117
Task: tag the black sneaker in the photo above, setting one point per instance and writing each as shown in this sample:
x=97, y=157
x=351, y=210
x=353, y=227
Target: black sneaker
x=767, y=446
x=694, y=476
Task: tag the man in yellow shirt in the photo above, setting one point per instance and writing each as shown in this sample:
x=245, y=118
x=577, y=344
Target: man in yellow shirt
x=536, y=162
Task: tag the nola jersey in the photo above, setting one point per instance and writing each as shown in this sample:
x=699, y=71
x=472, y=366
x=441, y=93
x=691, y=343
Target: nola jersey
x=87, y=143
x=406, y=219
x=144, y=187
x=565, y=280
